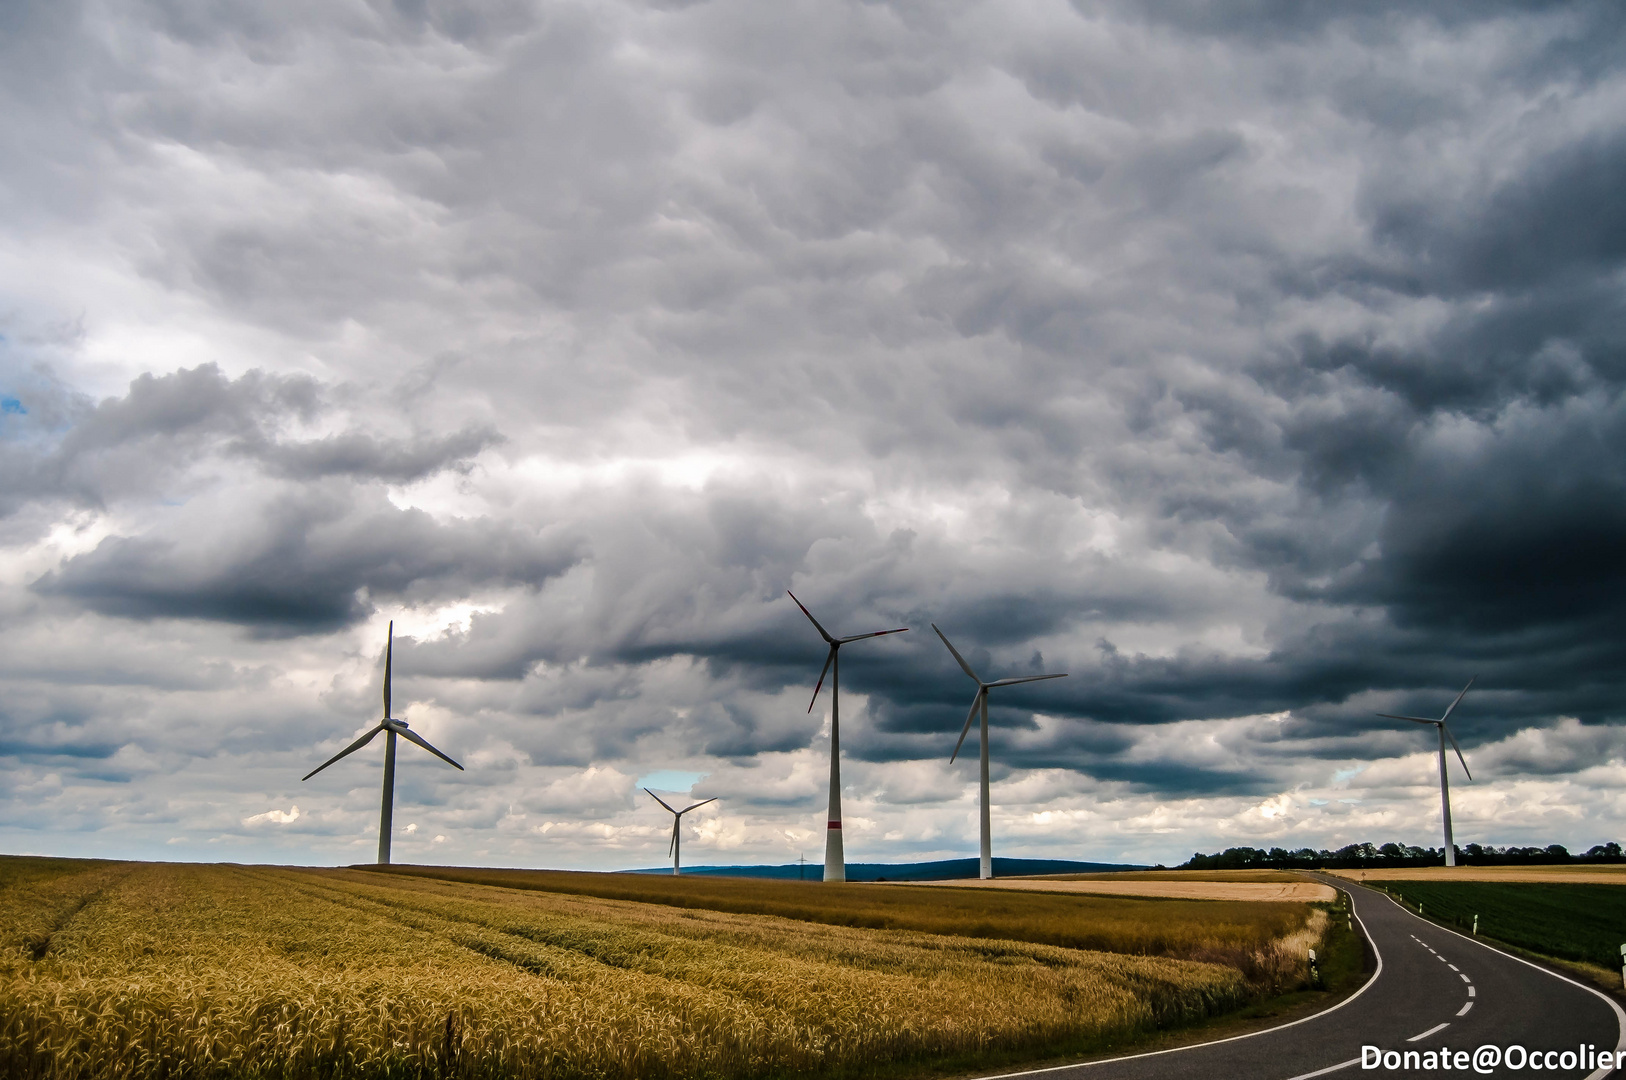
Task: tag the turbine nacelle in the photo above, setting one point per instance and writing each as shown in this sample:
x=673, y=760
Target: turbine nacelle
x=1441, y=725
x=835, y=643
x=979, y=699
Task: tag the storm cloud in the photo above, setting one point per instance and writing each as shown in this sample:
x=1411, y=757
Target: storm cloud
x=1263, y=369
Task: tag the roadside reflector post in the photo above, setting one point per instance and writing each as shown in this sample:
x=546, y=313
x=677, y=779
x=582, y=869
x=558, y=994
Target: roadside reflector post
x=1476, y=930
x=1315, y=974
x=1623, y=964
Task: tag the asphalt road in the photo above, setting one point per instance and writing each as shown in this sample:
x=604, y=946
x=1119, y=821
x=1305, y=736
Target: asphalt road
x=1433, y=990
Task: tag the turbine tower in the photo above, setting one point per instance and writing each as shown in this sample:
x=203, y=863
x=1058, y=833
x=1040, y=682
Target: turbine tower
x=677, y=819
x=1445, y=788
x=835, y=856
x=391, y=727
x=980, y=703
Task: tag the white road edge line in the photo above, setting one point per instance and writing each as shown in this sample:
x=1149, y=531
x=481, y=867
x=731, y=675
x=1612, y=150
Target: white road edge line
x=1432, y=1030
x=1234, y=1038
x=1620, y=1014
x=1464, y=1010
x=1471, y=992
x=1328, y=1069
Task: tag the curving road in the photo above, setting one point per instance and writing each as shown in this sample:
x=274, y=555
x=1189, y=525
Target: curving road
x=1433, y=990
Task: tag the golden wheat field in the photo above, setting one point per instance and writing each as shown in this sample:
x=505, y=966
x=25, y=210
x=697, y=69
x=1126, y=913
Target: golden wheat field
x=1231, y=931
x=149, y=970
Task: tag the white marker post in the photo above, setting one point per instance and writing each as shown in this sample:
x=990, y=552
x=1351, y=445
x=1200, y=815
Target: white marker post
x=1623, y=964
x=1476, y=931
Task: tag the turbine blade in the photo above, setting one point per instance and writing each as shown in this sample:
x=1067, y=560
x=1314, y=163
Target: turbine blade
x=347, y=751
x=1459, y=698
x=970, y=716
x=698, y=805
x=389, y=655
x=412, y=736
x=822, y=631
x=827, y=661
x=965, y=667
x=878, y=633
x=1413, y=719
x=673, y=845
x=658, y=799
x=1026, y=678
x=1458, y=749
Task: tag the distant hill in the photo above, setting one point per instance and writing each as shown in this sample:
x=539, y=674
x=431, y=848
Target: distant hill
x=942, y=870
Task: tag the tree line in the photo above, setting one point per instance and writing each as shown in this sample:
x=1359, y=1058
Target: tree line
x=1373, y=856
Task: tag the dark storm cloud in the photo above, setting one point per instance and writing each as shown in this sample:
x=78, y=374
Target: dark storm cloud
x=371, y=457
x=1255, y=361
x=277, y=556
x=307, y=560
x=137, y=444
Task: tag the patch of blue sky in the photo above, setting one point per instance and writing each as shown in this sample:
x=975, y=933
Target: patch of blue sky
x=670, y=780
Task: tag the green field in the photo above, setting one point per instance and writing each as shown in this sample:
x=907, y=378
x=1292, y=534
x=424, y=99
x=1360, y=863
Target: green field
x=146, y=970
x=1585, y=923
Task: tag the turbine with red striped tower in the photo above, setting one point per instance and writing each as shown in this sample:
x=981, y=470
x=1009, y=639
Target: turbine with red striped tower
x=835, y=856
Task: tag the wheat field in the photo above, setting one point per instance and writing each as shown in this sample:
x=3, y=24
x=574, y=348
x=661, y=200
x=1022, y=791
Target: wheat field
x=164, y=970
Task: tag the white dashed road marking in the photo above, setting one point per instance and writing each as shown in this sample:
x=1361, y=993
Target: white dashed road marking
x=1472, y=993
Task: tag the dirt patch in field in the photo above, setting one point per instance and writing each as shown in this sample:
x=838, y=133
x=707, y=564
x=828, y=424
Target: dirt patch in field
x=1173, y=875
x=1292, y=891
x=1577, y=875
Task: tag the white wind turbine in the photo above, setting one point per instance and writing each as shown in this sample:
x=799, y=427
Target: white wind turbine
x=835, y=856
x=391, y=727
x=677, y=819
x=1445, y=788
x=980, y=703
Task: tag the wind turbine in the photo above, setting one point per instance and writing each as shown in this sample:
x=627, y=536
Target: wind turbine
x=391, y=727
x=835, y=856
x=1445, y=789
x=677, y=819
x=980, y=703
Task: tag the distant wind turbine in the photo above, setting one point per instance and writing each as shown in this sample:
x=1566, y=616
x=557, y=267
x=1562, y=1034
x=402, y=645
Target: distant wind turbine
x=980, y=703
x=391, y=727
x=677, y=819
x=835, y=856
x=1445, y=788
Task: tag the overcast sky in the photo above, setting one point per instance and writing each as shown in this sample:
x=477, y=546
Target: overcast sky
x=1262, y=370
